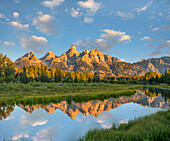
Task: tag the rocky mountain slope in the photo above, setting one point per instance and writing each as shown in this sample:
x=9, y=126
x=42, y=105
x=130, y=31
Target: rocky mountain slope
x=27, y=60
x=91, y=61
x=155, y=64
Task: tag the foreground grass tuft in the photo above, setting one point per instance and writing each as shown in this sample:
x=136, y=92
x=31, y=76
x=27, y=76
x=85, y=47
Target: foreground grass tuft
x=155, y=127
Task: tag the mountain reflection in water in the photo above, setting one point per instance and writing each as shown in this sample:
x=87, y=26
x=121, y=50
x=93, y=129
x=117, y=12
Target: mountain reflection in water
x=94, y=108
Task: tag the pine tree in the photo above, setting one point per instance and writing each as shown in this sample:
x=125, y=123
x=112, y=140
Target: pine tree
x=75, y=79
x=89, y=79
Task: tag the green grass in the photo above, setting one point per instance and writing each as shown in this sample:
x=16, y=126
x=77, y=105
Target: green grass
x=155, y=127
x=51, y=92
x=158, y=86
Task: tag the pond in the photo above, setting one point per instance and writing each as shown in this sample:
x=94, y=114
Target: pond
x=69, y=121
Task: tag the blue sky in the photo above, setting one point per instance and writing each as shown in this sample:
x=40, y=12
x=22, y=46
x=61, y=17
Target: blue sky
x=127, y=29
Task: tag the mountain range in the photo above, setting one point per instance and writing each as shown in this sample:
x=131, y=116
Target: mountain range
x=95, y=61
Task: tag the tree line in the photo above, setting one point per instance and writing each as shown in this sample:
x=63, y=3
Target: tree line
x=150, y=77
x=41, y=73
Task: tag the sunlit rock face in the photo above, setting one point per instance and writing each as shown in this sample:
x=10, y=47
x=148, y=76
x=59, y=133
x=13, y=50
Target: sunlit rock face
x=94, y=108
x=155, y=64
x=48, y=57
x=86, y=61
x=27, y=60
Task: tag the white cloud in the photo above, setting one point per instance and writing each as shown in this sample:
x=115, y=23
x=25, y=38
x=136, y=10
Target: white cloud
x=88, y=19
x=118, y=35
x=90, y=5
x=156, y=28
x=15, y=14
x=20, y=135
x=45, y=23
x=165, y=44
x=2, y=15
x=145, y=7
x=46, y=134
x=75, y=13
x=125, y=15
x=107, y=40
x=52, y=3
x=158, y=52
x=34, y=43
x=17, y=1
x=8, y=44
x=148, y=39
x=19, y=25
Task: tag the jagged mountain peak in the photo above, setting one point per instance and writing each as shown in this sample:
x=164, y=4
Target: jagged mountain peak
x=48, y=56
x=30, y=56
x=96, y=50
x=72, y=49
x=50, y=52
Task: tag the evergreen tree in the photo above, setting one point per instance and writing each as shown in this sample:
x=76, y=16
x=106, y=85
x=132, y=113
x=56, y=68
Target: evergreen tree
x=23, y=78
x=76, y=79
x=89, y=79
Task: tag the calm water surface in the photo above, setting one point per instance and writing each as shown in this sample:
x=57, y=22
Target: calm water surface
x=67, y=122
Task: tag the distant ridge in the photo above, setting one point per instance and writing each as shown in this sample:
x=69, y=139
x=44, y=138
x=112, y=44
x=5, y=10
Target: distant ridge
x=94, y=61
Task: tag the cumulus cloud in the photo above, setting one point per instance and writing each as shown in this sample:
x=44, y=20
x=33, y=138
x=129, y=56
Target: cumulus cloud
x=34, y=43
x=90, y=5
x=165, y=44
x=33, y=120
x=144, y=7
x=19, y=25
x=75, y=13
x=158, y=52
x=46, y=24
x=8, y=44
x=46, y=134
x=52, y=3
x=148, y=39
x=108, y=39
x=125, y=15
x=88, y=19
x=15, y=14
x=115, y=35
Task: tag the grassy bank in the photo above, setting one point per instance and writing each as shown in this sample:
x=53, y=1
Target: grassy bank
x=158, y=86
x=155, y=127
x=51, y=92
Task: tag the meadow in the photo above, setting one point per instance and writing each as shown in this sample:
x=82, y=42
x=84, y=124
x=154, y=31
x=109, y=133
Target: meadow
x=52, y=92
